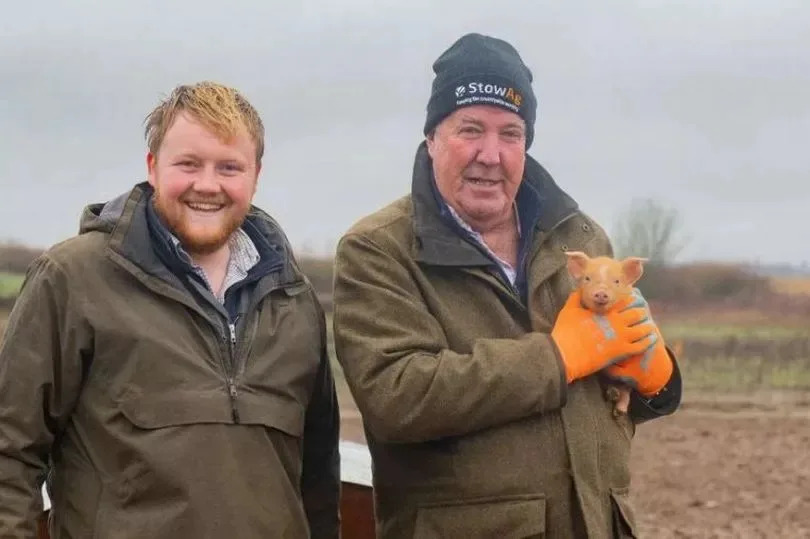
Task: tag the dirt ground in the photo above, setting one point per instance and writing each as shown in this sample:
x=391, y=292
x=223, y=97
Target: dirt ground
x=731, y=467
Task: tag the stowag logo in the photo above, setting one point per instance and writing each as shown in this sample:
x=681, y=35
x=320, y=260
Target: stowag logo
x=506, y=93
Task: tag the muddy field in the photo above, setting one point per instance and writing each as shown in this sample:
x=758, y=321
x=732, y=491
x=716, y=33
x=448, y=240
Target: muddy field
x=721, y=468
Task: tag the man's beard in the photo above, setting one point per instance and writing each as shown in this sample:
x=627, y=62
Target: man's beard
x=196, y=239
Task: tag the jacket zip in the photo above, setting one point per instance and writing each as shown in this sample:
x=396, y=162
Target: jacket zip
x=232, y=393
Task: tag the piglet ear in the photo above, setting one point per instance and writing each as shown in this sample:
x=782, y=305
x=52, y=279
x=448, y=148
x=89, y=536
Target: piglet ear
x=577, y=263
x=633, y=268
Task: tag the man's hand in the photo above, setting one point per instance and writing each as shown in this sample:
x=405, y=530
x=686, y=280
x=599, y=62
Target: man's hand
x=649, y=372
x=589, y=342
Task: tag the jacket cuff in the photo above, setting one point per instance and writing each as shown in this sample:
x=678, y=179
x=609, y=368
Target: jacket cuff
x=663, y=403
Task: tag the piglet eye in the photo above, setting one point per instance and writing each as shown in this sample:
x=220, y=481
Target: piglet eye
x=616, y=281
x=587, y=279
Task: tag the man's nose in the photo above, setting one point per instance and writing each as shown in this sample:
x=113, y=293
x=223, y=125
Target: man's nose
x=489, y=152
x=207, y=181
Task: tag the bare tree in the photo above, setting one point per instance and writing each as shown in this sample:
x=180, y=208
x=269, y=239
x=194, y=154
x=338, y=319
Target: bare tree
x=649, y=229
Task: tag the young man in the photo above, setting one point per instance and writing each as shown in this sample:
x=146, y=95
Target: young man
x=477, y=374
x=167, y=367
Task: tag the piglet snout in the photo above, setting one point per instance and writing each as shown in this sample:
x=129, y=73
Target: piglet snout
x=601, y=297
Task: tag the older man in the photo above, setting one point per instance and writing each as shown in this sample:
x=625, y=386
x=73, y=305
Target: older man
x=167, y=367
x=478, y=374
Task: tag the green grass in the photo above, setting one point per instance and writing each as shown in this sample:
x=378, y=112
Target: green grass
x=10, y=284
x=694, y=330
x=735, y=374
x=3, y=322
x=718, y=371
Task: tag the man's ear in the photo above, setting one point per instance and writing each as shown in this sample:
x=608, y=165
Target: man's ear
x=577, y=263
x=256, y=181
x=151, y=162
x=430, y=139
x=633, y=268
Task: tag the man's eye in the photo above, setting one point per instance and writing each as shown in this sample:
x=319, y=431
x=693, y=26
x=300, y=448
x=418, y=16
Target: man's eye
x=231, y=167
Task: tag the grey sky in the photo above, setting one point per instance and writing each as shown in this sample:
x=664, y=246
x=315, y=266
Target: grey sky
x=703, y=105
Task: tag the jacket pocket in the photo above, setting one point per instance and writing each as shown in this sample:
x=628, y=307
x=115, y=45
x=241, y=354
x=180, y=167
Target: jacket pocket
x=624, y=521
x=180, y=408
x=282, y=413
x=512, y=517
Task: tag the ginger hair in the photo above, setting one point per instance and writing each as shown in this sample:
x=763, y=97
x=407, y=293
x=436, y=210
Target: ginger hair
x=220, y=109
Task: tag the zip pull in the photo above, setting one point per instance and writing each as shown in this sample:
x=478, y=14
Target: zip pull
x=232, y=327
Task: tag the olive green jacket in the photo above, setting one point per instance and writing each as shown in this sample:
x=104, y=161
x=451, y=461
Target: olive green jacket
x=150, y=419
x=472, y=428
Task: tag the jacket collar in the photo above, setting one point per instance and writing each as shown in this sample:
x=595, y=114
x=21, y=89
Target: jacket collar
x=440, y=241
x=137, y=235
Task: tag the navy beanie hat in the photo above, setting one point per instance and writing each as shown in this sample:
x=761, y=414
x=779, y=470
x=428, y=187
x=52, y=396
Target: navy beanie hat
x=481, y=70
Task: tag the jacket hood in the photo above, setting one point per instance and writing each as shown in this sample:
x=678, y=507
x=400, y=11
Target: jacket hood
x=102, y=216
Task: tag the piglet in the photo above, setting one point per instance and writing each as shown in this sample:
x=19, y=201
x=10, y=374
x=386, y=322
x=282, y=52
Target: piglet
x=603, y=281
